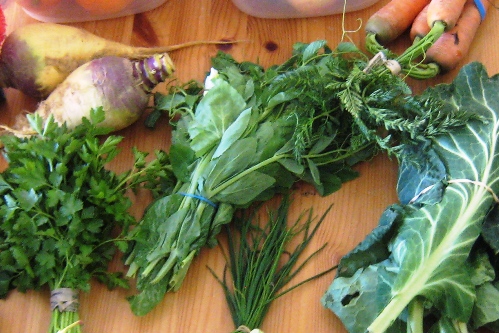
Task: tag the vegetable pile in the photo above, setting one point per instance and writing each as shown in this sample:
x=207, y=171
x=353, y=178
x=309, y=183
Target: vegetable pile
x=63, y=213
x=453, y=22
x=431, y=264
x=244, y=136
x=34, y=63
x=252, y=133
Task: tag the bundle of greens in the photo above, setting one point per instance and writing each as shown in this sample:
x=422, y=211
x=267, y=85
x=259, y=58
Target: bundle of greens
x=63, y=213
x=251, y=133
x=261, y=262
x=431, y=265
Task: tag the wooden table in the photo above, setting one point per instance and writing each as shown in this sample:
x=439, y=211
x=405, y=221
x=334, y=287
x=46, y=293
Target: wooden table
x=199, y=306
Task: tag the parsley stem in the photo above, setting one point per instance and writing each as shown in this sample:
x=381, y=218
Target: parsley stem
x=65, y=322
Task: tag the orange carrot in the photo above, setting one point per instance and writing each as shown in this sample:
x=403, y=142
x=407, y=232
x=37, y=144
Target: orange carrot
x=447, y=11
x=420, y=25
x=394, y=18
x=450, y=49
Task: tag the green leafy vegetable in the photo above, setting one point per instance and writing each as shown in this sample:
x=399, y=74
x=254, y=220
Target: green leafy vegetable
x=431, y=264
x=61, y=209
x=256, y=132
x=260, y=263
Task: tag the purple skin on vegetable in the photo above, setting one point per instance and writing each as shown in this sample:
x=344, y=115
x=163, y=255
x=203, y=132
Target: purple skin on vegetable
x=37, y=57
x=122, y=87
x=15, y=56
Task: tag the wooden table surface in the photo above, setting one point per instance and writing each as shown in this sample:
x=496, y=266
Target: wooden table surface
x=199, y=306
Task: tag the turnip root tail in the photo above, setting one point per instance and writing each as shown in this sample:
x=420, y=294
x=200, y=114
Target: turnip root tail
x=35, y=58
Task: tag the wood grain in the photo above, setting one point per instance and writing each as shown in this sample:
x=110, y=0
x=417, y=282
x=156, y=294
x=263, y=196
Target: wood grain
x=199, y=306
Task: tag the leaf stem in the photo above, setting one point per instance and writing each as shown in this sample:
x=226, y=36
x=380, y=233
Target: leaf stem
x=416, y=70
x=246, y=172
x=416, y=313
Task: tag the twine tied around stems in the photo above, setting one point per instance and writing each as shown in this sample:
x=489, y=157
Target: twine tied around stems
x=64, y=299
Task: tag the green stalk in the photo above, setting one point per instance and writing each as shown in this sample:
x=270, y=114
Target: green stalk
x=201, y=166
x=65, y=322
x=246, y=172
x=422, y=274
x=416, y=314
x=255, y=271
x=409, y=59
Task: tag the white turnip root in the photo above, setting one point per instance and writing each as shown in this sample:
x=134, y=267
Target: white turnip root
x=37, y=57
x=120, y=86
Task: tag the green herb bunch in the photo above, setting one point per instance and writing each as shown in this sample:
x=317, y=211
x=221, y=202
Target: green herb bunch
x=261, y=261
x=64, y=214
x=251, y=133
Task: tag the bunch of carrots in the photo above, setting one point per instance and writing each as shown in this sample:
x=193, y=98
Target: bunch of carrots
x=461, y=19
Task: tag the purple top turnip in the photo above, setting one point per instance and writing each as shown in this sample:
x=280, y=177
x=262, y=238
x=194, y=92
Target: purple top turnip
x=120, y=86
x=37, y=57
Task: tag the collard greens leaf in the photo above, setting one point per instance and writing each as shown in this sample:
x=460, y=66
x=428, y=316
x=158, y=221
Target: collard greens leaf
x=431, y=245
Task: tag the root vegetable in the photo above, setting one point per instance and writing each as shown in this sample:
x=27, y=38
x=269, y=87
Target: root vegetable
x=447, y=11
x=420, y=27
x=120, y=86
x=450, y=49
x=394, y=18
x=37, y=57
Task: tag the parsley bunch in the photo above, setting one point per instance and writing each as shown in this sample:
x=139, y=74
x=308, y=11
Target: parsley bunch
x=63, y=213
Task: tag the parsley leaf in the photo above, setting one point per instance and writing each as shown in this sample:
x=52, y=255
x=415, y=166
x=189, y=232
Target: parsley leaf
x=61, y=207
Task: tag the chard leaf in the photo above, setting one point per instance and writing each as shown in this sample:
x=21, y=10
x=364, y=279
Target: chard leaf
x=486, y=309
x=490, y=230
x=363, y=292
x=419, y=171
x=431, y=247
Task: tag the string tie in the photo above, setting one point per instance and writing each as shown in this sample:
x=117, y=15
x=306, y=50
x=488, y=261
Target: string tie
x=199, y=197
x=64, y=299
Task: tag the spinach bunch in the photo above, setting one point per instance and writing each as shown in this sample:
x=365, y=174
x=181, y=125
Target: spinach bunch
x=63, y=214
x=255, y=132
x=431, y=265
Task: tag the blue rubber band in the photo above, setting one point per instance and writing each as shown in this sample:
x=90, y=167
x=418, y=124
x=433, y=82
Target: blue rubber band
x=481, y=8
x=195, y=196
